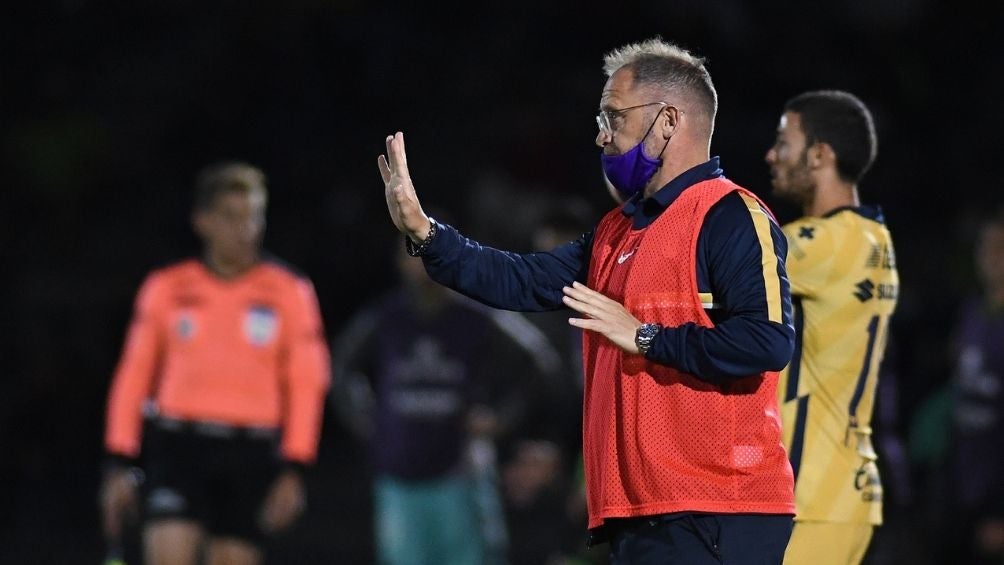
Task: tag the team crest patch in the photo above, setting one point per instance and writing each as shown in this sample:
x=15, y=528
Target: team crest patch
x=185, y=326
x=260, y=325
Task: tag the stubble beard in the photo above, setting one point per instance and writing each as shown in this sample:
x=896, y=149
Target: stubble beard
x=795, y=185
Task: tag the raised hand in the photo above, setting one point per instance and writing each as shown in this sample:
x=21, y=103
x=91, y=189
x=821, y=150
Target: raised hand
x=402, y=201
x=605, y=316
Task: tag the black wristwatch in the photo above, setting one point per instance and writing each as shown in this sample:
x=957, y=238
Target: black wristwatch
x=644, y=336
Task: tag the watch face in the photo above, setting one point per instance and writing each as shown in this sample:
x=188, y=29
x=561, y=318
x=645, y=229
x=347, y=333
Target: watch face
x=646, y=333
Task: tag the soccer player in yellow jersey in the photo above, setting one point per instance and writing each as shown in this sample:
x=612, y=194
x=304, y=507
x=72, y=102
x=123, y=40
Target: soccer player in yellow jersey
x=844, y=285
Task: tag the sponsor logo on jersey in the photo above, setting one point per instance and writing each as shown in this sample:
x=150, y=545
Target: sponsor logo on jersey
x=260, y=325
x=625, y=256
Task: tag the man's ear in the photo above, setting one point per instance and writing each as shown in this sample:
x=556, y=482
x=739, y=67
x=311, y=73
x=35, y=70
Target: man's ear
x=821, y=154
x=670, y=118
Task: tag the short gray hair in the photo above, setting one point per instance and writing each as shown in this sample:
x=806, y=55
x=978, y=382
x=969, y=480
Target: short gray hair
x=669, y=68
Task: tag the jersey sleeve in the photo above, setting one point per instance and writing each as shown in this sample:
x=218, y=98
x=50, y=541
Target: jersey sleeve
x=137, y=370
x=307, y=375
x=525, y=282
x=810, y=256
x=740, y=253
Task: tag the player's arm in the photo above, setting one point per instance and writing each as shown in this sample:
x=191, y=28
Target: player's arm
x=131, y=386
x=741, y=249
x=526, y=282
x=136, y=371
x=307, y=375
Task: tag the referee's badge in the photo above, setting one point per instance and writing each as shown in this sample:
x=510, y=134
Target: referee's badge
x=260, y=325
x=185, y=326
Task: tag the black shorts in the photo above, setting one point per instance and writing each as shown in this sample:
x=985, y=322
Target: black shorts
x=218, y=477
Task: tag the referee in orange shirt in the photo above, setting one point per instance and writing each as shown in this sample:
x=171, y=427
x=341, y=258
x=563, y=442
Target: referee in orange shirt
x=225, y=359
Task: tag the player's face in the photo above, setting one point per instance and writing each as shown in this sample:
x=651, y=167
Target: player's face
x=788, y=160
x=990, y=257
x=232, y=228
x=628, y=127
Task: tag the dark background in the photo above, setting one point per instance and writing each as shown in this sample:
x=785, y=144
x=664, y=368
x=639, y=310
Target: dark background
x=110, y=108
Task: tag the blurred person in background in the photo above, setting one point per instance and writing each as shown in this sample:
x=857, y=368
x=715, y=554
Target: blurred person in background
x=563, y=222
x=844, y=286
x=895, y=542
x=971, y=521
x=544, y=495
x=559, y=500
x=226, y=362
x=434, y=383
x=684, y=299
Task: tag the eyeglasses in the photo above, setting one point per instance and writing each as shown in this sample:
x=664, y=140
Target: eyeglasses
x=609, y=120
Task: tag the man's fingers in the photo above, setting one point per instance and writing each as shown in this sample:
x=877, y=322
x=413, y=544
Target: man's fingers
x=582, y=293
x=389, y=143
x=396, y=156
x=401, y=154
x=579, y=306
x=585, y=295
x=585, y=323
x=384, y=169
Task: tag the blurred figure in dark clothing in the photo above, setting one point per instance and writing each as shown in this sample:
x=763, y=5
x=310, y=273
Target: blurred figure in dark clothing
x=545, y=498
x=432, y=381
x=565, y=221
x=974, y=513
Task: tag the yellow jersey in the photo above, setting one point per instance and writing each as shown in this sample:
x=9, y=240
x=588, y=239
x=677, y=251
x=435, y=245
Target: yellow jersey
x=844, y=285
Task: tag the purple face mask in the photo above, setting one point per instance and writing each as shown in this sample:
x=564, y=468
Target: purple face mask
x=631, y=171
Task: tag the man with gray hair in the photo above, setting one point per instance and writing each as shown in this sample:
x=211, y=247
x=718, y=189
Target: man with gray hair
x=686, y=309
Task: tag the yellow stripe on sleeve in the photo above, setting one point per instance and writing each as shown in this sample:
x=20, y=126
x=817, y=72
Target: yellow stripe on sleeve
x=708, y=301
x=771, y=282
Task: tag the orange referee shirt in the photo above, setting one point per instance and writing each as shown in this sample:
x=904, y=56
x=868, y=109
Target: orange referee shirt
x=248, y=351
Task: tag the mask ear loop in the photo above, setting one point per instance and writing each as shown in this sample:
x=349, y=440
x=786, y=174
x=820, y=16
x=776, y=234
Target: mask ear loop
x=659, y=156
x=664, y=147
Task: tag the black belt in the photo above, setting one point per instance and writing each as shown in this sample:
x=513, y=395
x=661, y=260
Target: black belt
x=219, y=430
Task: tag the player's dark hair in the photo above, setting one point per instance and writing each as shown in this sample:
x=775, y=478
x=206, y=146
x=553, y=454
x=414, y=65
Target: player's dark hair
x=842, y=121
x=230, y=176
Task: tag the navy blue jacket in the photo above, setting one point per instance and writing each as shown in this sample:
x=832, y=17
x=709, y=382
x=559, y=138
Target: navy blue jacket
x=742, y=342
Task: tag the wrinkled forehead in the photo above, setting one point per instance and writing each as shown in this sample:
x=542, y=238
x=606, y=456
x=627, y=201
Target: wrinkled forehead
x=619, y=91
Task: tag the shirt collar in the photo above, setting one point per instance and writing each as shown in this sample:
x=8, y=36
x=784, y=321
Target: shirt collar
x=666, y=195
x=873, y=213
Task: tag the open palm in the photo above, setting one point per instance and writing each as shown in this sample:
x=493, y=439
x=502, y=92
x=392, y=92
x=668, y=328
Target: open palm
x=402, y=201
